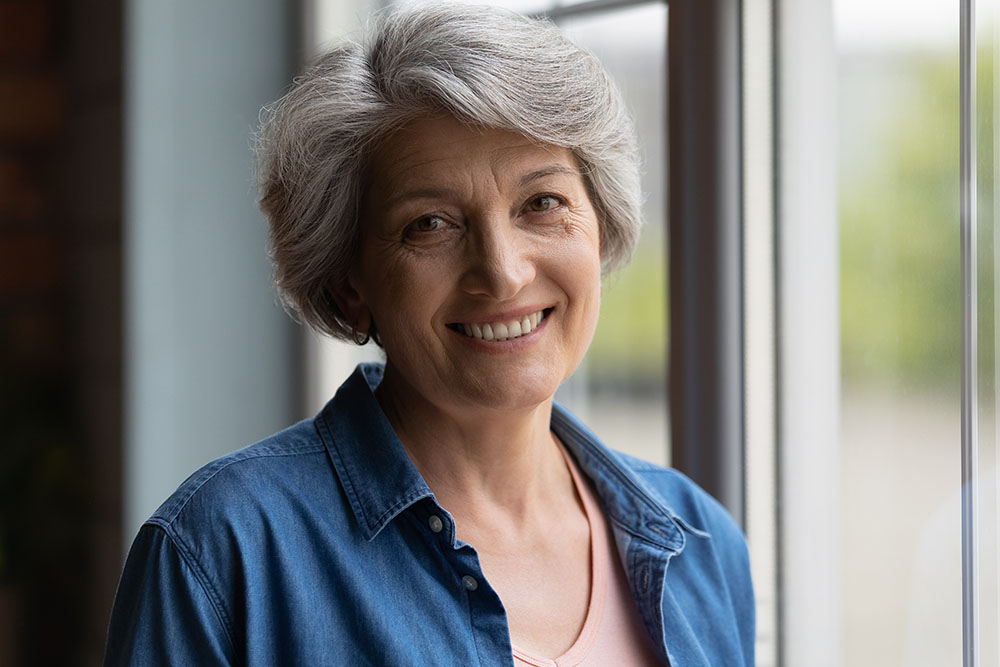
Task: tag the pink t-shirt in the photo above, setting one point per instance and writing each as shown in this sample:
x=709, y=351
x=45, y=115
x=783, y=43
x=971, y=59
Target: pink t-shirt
x=613, y=632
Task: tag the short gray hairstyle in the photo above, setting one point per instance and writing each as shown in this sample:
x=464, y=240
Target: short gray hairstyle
x=485, y=66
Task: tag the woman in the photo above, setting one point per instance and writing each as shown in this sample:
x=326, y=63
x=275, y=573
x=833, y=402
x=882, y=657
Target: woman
x=453, y=187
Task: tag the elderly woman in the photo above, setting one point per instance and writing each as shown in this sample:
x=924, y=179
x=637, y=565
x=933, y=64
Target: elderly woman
x=453, y=187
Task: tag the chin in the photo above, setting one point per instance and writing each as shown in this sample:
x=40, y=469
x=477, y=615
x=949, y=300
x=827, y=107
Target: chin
x=512, y=394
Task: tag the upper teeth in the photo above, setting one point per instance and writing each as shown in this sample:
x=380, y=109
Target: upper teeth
x=503, y=330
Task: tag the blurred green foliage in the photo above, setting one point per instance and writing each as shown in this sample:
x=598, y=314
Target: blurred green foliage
x=631, y=339
x=900, y=258
x=900, y=262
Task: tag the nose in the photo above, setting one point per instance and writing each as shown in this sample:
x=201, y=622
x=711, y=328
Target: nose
x=499, y=261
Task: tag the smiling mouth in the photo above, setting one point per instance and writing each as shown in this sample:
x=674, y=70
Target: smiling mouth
x=499, y=331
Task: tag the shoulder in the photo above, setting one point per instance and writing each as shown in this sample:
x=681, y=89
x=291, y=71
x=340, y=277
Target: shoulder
x=714, y=563
x=713, y=537
x=245, y=481
x=640, y=486
x=689, y=503
x=202, y=559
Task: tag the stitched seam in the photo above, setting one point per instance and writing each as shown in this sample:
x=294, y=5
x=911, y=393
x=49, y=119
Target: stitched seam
x=214, y=599
x=176, y=512
x=472, y=624
x=395, y=509
x=347, y=479
x=613, y=465
x=684, y=527
x=645, y=540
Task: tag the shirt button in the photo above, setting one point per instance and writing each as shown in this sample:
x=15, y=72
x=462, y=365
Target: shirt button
x=470, y=583
x=436, y=523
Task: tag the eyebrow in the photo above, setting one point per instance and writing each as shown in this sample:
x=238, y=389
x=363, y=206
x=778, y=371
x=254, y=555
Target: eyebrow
x=418, y=193
x=443, y=193
x=546, y=171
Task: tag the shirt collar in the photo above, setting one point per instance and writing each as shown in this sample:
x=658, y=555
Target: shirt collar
x=380, y=480
x=628, y=500
x=378, y=477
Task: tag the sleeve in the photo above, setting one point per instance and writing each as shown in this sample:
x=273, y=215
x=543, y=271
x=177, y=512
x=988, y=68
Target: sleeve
x=729, y=543
x=727, y=548
x=163, y=614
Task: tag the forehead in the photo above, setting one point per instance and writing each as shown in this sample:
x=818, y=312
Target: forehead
x=429, y=149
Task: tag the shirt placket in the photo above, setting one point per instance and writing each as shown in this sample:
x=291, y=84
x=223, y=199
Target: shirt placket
x=487, y=616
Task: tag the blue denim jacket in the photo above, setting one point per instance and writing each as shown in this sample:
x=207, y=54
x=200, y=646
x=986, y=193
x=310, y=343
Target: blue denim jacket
x=323, y=545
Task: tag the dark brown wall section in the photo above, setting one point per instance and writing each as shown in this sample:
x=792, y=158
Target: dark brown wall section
x=60, y=327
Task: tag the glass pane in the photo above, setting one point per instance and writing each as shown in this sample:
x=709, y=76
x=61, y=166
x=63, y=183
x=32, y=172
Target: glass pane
x=988, y=238
x=620, y=390
x=900, y=332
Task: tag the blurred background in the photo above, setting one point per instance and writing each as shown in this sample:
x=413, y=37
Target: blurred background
x=134, y=287
x=140, y=336
x=61, y=334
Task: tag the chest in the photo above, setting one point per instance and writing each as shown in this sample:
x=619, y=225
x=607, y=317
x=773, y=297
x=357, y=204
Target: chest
x=545, y=586
x=311, y=594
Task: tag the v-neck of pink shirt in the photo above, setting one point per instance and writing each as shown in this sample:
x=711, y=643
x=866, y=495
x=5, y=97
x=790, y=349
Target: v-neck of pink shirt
x=612, y=633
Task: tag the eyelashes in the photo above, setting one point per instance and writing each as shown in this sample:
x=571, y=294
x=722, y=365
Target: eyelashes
x=543, y=203
x=425, y=225
x=433, y=223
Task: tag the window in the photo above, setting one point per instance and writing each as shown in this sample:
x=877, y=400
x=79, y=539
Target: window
x=888, y=546
x=900, y=333
x=832, y=335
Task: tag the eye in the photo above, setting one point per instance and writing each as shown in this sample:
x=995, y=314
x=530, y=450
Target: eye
x=543, y=203
x=425, y=224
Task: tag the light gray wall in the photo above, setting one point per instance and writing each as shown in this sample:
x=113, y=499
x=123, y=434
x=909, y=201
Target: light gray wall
x=210, y=359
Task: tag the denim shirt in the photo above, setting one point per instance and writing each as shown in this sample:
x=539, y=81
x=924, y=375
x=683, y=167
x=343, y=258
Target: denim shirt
x=323, y=545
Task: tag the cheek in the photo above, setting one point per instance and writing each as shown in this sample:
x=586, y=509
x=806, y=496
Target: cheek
x=586, y=258
x=402, y=300
x=580, y=275
x=592, y=285
x=593, y=308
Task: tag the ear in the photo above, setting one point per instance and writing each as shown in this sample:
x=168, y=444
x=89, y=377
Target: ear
x=351, y=304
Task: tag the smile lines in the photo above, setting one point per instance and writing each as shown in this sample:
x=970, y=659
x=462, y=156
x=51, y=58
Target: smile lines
x=498, y=331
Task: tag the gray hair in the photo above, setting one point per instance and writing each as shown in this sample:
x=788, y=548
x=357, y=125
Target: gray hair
x=486, y=67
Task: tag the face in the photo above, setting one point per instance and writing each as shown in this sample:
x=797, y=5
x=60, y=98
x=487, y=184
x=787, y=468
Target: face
x=480, y=266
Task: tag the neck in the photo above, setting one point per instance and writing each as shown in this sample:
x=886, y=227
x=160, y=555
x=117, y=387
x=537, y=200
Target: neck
x=482, y=464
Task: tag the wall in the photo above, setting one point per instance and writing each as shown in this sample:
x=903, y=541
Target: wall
x=60, y=327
